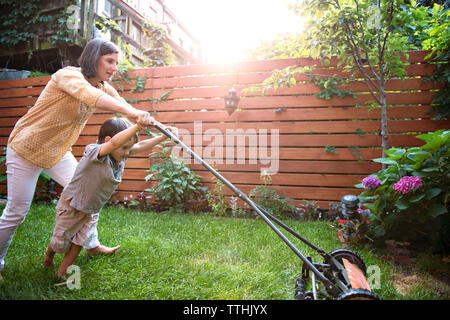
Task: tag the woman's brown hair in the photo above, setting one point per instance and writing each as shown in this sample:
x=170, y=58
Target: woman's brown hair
x=92, y=53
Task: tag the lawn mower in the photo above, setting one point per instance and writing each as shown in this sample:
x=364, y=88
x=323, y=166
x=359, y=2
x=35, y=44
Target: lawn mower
x=341, y=274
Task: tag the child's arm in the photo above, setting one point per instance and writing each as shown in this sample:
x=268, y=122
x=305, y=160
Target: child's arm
x=118, y=140
x=148, y=144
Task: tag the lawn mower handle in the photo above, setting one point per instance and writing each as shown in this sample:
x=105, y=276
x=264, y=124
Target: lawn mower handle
x=331, y=287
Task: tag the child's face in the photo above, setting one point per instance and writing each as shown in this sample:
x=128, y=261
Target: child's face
x=123, y=151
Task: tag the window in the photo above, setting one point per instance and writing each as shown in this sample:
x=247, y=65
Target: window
x=108, y=8
x=105, y=8
x=136, y=33
x=123, y=25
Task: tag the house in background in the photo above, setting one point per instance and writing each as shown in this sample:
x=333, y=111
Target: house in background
x=129, y=15
x=186, y=48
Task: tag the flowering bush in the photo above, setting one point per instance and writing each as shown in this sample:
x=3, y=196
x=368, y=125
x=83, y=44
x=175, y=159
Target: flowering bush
x=408, y=199
x=351, y=228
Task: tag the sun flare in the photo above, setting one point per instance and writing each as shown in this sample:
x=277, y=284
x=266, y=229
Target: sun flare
x=227, y=29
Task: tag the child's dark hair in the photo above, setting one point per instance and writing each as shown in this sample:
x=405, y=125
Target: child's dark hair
x=113, y=126
x=91, y=54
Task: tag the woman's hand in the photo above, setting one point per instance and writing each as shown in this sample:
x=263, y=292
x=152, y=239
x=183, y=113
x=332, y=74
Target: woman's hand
x=144, y=119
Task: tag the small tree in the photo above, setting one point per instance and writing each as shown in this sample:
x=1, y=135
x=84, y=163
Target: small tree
x=366, y=37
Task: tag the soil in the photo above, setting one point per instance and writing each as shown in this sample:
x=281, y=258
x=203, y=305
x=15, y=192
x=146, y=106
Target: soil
x=411, y=270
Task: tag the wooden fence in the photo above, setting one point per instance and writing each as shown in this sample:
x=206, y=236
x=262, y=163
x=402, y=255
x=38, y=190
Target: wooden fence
x=318, y=148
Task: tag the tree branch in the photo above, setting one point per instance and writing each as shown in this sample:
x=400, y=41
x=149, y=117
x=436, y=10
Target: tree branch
x=364, y=41
x=357, y=59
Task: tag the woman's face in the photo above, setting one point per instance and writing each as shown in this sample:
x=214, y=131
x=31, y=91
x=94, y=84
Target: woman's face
x=107, y=66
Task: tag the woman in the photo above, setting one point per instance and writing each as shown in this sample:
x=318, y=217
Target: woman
x=41, y=140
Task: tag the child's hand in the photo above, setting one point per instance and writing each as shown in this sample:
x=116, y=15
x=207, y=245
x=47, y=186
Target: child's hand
x=142, y=125
x=174, y=130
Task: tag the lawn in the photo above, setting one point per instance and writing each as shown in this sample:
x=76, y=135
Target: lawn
x=168, y=256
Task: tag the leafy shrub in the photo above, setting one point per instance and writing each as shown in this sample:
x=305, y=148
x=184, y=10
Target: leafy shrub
x=309, y=211
x=269, y=198
x=408, y=199
x=216, y=199
x=236, y=211
x=351, y=226
x=436, y=37
x=176, y=183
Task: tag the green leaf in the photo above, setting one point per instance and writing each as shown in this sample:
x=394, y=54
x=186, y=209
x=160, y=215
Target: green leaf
x=430, y=169
x=402, y=204
x=431, y=193
x=437, y=209
x=368, y=198
x=370, y=206
x=419, y=156
x=395, y=153
x=44, y=176
x=385, y=161
x=417, y=197
x=330, y=149
x=379, y=231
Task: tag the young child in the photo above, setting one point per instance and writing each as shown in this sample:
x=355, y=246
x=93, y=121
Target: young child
x=96, y=177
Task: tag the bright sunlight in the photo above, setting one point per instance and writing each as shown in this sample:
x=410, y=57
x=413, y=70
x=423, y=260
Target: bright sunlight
x=227, y=29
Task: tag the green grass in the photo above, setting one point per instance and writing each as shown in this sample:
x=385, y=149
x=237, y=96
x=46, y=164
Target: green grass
x=174, y=256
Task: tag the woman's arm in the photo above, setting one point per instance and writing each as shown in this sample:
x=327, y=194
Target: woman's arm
x=72, y=82
x=118, y=140
x=106, y=102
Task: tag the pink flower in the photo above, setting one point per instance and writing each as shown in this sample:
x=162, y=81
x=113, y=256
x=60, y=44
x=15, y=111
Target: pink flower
x=405, y=184
x=416, y=182
x=371, y=182
x=341, y=221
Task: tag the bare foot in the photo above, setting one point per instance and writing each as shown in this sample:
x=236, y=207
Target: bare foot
x=61, y=275
x=101, y=250
x=48, y=258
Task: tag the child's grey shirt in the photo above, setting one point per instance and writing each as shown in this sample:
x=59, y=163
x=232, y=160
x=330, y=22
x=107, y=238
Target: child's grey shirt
x=94, y=181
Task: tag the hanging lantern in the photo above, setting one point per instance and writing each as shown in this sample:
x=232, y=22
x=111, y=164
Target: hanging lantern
x=231, y=101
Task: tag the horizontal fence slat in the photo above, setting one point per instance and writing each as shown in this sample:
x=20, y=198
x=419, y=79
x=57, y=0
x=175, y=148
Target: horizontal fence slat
x=17, y=102
x=300, y=90
x=306, y=114
x=299, y=141
x=292, y=127
x=21, y=92
x=254, y=79
x=294, y=154
x=21, y=83
x=299, y=193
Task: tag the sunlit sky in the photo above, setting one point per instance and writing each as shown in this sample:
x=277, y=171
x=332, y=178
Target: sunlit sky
x=226, y=28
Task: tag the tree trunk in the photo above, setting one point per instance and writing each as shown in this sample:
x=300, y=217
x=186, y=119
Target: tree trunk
x=384, y=126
